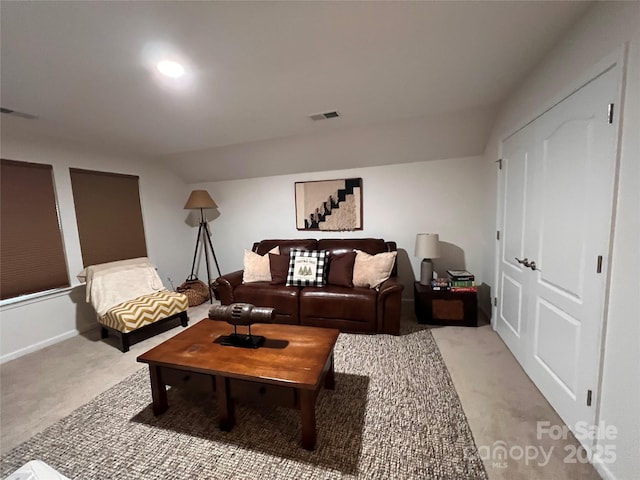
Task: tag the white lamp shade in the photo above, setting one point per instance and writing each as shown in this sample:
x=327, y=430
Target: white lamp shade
x=427, y=245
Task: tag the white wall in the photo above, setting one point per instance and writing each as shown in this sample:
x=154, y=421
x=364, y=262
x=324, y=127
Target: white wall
x=399, y=201
x=606, y=27
x=444, y=135
x=28, y=325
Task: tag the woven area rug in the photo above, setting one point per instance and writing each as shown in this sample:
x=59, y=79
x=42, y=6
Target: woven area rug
x=394, y=414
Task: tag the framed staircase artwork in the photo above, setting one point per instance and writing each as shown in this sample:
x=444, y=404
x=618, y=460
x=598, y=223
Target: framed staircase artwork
x=329, y=205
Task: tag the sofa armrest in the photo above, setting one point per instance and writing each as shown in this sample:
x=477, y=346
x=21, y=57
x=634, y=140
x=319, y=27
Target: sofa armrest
x=389, y=306
x=224, y=286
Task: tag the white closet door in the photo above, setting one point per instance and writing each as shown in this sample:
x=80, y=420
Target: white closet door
x=556, y=207
x=516, y=165
x=573, y=191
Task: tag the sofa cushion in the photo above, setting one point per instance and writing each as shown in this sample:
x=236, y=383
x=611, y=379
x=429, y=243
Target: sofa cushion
x=256, y=267
x=285, y=246
x=370, y=245
x=341, y=269
x=332, y=302
x=279, y=265
x=371, y=270
x=306, y=268
x=343, y=245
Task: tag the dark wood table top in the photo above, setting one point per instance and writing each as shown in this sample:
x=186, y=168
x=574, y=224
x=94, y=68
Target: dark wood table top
x=292, y=355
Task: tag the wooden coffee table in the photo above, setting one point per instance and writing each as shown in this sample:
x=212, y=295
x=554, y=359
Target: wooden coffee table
x=289, y=369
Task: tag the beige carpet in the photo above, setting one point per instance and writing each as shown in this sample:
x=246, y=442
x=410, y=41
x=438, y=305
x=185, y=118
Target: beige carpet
x=500, y=402
x=393, y=414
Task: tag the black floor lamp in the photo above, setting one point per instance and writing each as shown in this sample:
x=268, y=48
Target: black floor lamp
x=201, y=199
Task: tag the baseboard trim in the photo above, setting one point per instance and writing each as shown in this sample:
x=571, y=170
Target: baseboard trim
x=38, y=346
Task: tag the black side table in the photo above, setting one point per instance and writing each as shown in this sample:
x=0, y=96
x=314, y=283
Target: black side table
x=444, y=307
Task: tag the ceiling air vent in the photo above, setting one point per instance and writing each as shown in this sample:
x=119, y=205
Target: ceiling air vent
x=14, y=113
x=324, y=116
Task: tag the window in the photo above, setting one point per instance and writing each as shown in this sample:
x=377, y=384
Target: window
x=109, y=216
x=32, y=254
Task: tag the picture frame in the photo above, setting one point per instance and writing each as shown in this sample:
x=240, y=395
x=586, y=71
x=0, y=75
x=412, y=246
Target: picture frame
x=329, y=205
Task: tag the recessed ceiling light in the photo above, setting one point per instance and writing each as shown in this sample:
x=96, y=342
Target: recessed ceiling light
x=170, y=68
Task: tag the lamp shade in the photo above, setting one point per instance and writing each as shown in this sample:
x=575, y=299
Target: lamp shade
x=427, y=245
x=200, y=199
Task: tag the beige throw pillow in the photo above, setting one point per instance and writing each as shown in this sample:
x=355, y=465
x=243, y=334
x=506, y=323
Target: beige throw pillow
x=371, y=270
x=256, y=267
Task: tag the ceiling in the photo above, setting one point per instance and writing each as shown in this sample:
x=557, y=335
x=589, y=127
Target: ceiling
x=257, y=70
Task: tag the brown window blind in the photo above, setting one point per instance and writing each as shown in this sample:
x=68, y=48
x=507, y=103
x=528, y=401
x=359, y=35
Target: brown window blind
x=109, y=216
x=32, y=254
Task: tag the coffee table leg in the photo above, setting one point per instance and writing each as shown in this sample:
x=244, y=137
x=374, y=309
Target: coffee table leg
x=226, y=414
x=158, y=391
x=308, y=418
x=329, y=379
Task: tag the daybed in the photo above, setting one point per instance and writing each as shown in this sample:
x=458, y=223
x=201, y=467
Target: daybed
x=356, y=309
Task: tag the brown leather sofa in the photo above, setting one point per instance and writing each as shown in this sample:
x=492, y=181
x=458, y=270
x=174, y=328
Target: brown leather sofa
x=349, y=309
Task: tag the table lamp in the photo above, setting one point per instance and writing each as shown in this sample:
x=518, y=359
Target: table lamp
x=427, y=247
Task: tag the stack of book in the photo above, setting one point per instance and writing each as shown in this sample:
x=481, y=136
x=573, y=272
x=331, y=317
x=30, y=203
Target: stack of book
x=461, y=281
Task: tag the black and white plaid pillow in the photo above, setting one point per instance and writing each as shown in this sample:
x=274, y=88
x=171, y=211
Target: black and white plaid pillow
x=307, y=268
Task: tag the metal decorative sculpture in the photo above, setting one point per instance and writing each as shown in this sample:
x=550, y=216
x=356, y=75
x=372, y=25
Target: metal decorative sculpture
x=242, y=314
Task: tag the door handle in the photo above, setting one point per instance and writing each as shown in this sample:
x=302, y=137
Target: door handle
x=529, y=264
